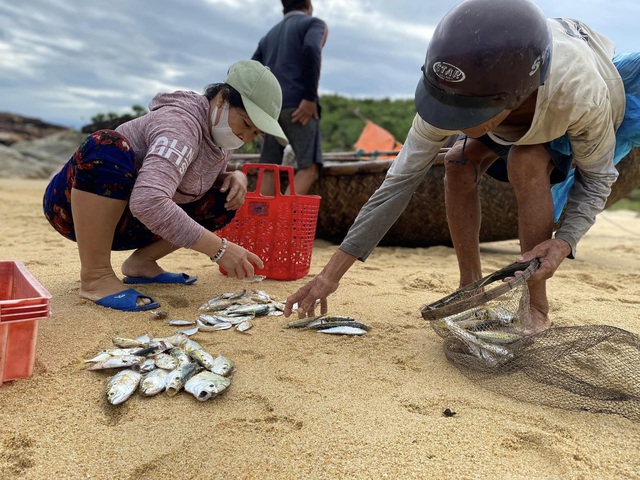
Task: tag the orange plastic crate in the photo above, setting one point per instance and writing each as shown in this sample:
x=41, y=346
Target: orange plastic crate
x=23, y=303
x=280, y=229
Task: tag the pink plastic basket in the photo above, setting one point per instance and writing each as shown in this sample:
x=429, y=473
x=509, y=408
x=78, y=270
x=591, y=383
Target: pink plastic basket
x=23, y=303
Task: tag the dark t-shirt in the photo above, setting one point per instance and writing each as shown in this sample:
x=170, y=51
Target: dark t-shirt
x=292, y=50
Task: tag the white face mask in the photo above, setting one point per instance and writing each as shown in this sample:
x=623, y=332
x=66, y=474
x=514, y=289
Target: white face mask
x=222, y=134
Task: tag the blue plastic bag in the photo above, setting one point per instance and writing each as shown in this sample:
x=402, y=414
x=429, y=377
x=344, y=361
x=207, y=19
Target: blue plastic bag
x=627, y=136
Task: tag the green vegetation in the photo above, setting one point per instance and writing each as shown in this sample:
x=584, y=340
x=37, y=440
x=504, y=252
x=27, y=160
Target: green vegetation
x=630, y=202
x=344, y=118
x=138, y=111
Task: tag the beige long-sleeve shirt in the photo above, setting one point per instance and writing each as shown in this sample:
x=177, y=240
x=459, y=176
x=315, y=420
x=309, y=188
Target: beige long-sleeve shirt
x=583, y=97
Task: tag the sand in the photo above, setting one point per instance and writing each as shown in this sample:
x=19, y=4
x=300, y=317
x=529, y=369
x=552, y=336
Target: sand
x=303, y=404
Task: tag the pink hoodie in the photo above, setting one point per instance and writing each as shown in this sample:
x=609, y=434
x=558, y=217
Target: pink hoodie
x=180, y=163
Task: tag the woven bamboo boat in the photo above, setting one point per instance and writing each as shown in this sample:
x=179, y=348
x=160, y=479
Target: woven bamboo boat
x=345, y=184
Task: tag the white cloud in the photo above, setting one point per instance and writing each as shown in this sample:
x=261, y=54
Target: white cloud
x=65, y=61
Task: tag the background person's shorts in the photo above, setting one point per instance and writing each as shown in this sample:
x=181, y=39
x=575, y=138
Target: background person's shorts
x=306, y=142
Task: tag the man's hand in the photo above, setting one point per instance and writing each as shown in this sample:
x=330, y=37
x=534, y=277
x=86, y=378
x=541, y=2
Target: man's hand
x=551, y=253
x=323, y=285
x=304, y=112
x=317, y=289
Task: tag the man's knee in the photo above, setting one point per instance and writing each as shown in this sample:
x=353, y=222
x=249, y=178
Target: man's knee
x=460, y=168
x=528, y=165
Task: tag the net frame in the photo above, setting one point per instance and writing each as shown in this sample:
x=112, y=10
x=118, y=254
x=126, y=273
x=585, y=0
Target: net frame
x=476, y=294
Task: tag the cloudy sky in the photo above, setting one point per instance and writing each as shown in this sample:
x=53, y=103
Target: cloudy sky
x=63, y=61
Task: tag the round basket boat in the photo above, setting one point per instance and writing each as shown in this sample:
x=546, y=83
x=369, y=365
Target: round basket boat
x=346, y=186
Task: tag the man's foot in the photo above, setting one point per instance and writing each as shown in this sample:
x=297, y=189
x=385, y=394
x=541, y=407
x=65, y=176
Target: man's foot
x=539, y=321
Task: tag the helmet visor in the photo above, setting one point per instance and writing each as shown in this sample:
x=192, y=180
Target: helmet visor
x=449, y=111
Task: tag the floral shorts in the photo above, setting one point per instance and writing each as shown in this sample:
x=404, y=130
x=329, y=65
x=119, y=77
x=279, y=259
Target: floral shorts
x=105, y=165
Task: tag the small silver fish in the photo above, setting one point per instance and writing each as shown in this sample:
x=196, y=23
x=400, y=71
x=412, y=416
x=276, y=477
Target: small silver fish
x=497, y=336
x=199, y=354
x=153, y=382
x=215, y=306
x=165, y=361
x=190, y=331
x=212, y=327
x=256, y=278
x=260, y=296
x=328, y=321
x=118, y=362
x=180, y=356
x=344, y=331
x=177, y=378
x=154, y=347
x=122, y=385
x=177, y=339
x=111, y=352
x=179, y=323
x=303, y=322
x=206, y=384
x=222, y=366
x=278, y=306
x=256, y=309
x=244, y=326
x=148, y=365
x=127, y=342
x=470, y=338
x=216, y=319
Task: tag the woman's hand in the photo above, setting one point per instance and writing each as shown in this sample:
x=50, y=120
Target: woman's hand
x=236, y=183
x=239, y=262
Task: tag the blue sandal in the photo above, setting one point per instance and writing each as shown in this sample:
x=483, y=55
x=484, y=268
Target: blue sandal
x=126, y=301
x=165, y=277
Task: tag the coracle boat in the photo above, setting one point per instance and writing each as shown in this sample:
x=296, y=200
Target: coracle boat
x=347, y=180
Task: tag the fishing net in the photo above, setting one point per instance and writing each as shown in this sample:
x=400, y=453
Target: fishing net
x=486, y=332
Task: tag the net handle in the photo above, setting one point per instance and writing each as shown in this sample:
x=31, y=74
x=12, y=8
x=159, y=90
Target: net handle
x=449, y=306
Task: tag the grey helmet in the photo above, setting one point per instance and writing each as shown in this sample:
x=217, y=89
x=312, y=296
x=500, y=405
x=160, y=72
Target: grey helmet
x=485, y=56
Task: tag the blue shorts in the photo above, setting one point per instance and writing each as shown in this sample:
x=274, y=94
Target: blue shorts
x=498, y=169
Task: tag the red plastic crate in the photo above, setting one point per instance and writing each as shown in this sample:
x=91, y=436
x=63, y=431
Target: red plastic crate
x=23, y=303
x=279, y=229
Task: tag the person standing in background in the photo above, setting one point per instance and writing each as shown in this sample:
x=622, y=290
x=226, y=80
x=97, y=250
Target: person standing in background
x=292, y=50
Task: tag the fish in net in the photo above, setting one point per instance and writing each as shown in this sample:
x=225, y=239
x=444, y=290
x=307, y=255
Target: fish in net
x=487, y=334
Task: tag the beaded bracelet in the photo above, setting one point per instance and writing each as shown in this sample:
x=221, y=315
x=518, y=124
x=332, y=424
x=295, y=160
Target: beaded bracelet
x=223, y=248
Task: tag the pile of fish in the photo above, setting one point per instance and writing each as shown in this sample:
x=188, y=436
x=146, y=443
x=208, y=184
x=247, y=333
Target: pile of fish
x=238, y=310
x=332, y=324
x=155, y=365
x=486, y=331
x=229, y=310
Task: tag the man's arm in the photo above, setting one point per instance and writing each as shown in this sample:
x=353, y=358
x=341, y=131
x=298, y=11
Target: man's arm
x=376, y=216
x=587, y=198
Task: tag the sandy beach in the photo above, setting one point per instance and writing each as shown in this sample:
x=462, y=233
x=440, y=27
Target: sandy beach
x=304, y=405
